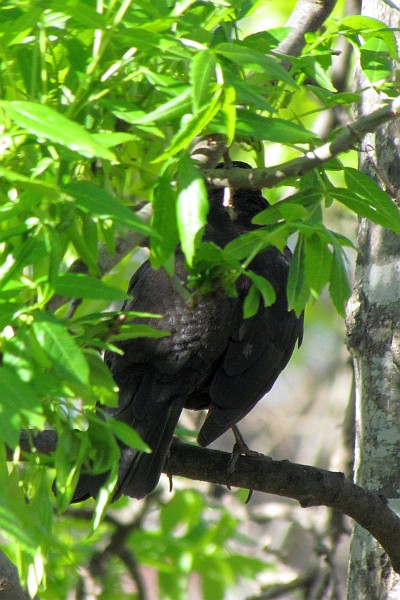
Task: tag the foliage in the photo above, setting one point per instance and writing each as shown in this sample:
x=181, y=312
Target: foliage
x=100, y=103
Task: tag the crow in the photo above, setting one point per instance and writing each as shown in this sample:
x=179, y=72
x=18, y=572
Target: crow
x=213, y=359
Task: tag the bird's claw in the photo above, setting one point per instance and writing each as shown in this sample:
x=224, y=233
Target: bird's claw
x=169, y=473
x=240, y=448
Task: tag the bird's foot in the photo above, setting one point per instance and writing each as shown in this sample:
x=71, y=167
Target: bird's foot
x=239, y=449
x=168, y=472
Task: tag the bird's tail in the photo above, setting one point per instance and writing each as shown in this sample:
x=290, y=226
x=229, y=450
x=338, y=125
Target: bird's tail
x=139, y=472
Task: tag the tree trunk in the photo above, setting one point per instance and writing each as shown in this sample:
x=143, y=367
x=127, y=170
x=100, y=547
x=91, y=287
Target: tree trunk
x=373, y=321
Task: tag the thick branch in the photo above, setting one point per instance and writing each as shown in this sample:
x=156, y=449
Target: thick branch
x=10, y=587
x=343, y=141
x=307, y=16
x=308, y=485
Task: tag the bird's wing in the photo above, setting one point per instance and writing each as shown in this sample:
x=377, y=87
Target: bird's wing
x=258, y=350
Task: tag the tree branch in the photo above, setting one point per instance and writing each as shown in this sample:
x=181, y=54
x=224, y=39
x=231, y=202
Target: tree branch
x=310, y=486
x=10, y=587
x=343, y=141
x=307, y=16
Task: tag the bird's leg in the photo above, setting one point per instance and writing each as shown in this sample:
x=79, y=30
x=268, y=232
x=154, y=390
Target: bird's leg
x=168, y=472
x=240, y=448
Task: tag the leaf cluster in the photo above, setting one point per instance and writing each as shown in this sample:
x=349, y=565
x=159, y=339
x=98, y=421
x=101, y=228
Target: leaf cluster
x=100, y=103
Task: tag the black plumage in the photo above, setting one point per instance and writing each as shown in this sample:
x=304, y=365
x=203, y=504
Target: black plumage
x=214, y=358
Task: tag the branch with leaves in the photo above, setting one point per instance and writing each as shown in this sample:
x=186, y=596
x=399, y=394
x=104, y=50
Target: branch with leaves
x=342, y=141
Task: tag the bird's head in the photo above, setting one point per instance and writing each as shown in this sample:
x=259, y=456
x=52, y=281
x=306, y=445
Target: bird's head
x=241, y=205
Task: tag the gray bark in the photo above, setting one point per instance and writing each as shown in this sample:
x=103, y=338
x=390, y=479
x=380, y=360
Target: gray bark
x=10, y=587
x=373, y=320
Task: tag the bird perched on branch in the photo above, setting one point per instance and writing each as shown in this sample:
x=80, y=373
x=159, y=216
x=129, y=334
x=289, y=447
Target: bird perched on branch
x=214, y=358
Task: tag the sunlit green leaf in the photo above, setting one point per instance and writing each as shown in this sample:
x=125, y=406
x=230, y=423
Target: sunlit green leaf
x=192, y=207
x=192, y=126
x=202, y=75
x=17, y=396
x=164, y=221
x=67, y=358
x=375, y=60
x=127, y=435
x=47, y=123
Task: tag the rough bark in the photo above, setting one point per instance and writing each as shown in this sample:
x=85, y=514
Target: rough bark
x=373, y=321
x=10, y=587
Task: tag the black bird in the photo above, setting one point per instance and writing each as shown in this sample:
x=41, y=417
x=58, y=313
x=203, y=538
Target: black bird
x=214, y=358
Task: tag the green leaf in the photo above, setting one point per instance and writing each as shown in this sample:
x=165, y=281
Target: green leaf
x=250, y=124
x=202, y=77
x=99, y=203
x=174, y=108
x=273, y=214
x=67, y=358
x=71, y=452
x=16, y=28
x=192, y=126
x=47, y=123
x=316, y=72
x=372, y=28
x=127, y=435
x=330, y=99
x=243, y=55
x=246, y=93
x=251, y=302
x=243, y=246
x=339, y=288
x=318, y=262
x=192, y=207
x=7, y=311
x=101, y=381
x=108, y=140
x=297, y=288
x=367, y=199
x=291, y=211
x=26, y=183
x=164, y=222
x=17, y=396
x=229, y=111
x=76, y=285
x=375, y=60
x=82, y=13
x=264, y=287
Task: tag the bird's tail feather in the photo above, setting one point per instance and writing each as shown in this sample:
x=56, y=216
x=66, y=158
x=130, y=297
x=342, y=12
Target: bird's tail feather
x=139, y=472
